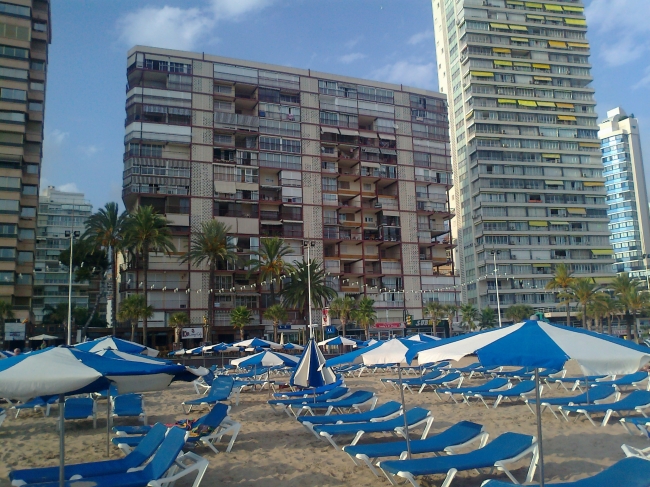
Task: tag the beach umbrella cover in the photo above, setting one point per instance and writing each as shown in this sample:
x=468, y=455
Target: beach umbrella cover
x=423, y=337
x=112, y=343
x=257, y=343
x=293, y=346
x=44, y=337
x=311, y=371
x=339, y=340
x=265, y=359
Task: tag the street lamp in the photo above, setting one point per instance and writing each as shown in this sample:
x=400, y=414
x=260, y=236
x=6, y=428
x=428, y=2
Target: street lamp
x=645, y=263
x=307, y=244
x=496, y=282
x=71, y=235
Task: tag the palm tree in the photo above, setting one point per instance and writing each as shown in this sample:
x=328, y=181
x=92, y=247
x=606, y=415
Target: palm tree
x=562, y=280
x=596, y=310
x=637, y=302
x=469, y=315
x=610, y=307
x=239, y=318
x=6, y=312
x=147, y=231
x=269, y=262
x=105, y=229
x=211, y=246
x=277, y=314
x=519, y=312
x=177, y=321
x=436, y=311
x=364, y=314
x=342, y=309
x=450, y=313
x=295, y=293
x=583, y=289
x=624, y=289
x=488, y=318
x=133, y=309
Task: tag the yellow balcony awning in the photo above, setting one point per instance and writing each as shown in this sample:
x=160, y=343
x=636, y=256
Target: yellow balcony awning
x=578, y=22
x=593, y=184
x=514, y=2
x=536, y=17
x=498, y=62
x=593, y=145
x=494, y=25
x=557, y=44
x=469, y=115
x=565, y=105
x=578, y=44
x=560, y=223
x=603, y=280
x=501, y=50
x=541, y=265
x=577, y=211
x=482, y=74
x=541, y=66
x=518, y=27
x=542, y=78
x=534, y=5
x=549, y=182
x=602, y=251
x=527, y=103
x=553, y=8
x=519, y=39
x=546, y=104
x=507, y=100
x=537, y=224
x=567, y=118
x=524, y=65
x=573, y=9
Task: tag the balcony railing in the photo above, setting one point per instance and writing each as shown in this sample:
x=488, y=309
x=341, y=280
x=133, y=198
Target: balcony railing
x=237, y=120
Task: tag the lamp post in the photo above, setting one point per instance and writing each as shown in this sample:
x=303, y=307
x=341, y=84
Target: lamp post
x=307, y=244
x=645, y=258
x=71, y=235
x=496, y=282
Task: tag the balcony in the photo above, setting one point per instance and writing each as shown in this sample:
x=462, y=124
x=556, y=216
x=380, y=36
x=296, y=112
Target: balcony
x=233, y=120
x=391, y=268
x=270, y=215
x=280, y=232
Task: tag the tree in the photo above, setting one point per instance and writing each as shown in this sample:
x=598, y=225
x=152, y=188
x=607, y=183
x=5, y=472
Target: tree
x=133, y=309
x=365, y=315
x=6, y=312
x=450, y=313
x=58, y=314
x=583, y=289
x=624, y=289
x=469, y=315
x=269, y=262
x=596, y=310
x=436, y=311
x=637, y=302
x=562, y=280
x=211, y=246
x=295, y=293
x=177, y=321
x=342, y=309
x=277, y=314
x=610, y=308
x=239, y=318
x=488, y=318
x=106, y=229
x=146, y=232
x=519, y=312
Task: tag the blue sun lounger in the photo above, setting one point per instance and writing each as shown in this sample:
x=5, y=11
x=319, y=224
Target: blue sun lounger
x=593, y=396
x=629, y=472
x=518, y=391
x=128, y=406
x=640, y=424
x=37, y=403
x=574, y=382
x=500, y=452
x=496, y=383
x=636, y=401
x=352, y=402
x=308, y=392
x=445, y=381
x=80, y=408
x=459, y=435
x=220, y=390
x=145, y=449
x=415, y=417
x=3, y=415
x=381, y=413
x=515, y=373
x=337, y=393
x=633, y=380
x=412, y=381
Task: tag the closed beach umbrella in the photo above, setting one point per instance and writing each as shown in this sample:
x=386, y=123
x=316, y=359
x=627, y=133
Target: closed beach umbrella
x=336, y=341
x=257, y=343
x=538, y=344
x=265, y=359
x=311, y=370
x=112, y=343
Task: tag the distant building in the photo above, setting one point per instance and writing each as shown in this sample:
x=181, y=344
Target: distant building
x=58, y=212
x=627, y=196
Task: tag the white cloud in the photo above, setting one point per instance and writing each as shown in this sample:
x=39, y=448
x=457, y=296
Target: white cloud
x=352, y=57
x=417, y=75
x=180, y=28
x=69, y=188
x=624, y=25
x=88, y=150
x=423, y=36
x=57, y=137
x=353, y=42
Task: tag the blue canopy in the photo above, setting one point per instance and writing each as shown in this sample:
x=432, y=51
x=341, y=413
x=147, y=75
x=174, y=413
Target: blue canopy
x=265, y=359
x=113, y=343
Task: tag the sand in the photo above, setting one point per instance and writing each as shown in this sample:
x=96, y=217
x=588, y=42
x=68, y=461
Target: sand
x=275, y=450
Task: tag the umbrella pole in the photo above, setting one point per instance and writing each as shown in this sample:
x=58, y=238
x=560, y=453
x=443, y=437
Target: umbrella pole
x=108, y=423
x=538, y=407
x=406, y=424
x=587, y=388
x=61, y=440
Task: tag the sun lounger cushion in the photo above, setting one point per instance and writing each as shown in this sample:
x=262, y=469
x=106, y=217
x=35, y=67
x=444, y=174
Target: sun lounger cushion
x=357, y=397
x=413, y=416
x=596, y=394
x=495, y=383
x=637, y=398
x=387, y=409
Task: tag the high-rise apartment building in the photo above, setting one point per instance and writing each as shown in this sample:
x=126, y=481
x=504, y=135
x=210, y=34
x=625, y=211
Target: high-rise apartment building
x=627, y=196
x=24, y=37
x=528, y=176
x=359, y=167
x=58, y=212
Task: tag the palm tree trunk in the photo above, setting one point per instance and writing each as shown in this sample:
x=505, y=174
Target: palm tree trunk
x=628, y=322
x=146, y=295
x=343, y=323
x=133, y=325
x=92, y=314
x=241, y=334
x=568, y=314
x=272, y=294
x=114, y=293
x=275, y=331
x=584, y=316
x=609, y=324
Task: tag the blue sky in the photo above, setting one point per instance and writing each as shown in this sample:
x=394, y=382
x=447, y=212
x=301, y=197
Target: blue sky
x=389, y=40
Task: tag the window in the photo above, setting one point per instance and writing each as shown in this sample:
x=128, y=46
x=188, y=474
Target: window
x=40, y=27
x=285, y=145
x=13, y=95
x=31, y=168
x=25, y=211
x=11, y=9
x=30, y=190
x=26, y=234
x=24, y=257
x=11, y=206
x=37, y=65
x=12, y=73
x=10, y=51
x=7, y=253
x=12, y=117
x=24, y=279
x=36, y=86
x=6, y=278
x=11, y=31
x=11, y=138
x=9, y=183
x=35, y=106
x=8, y=230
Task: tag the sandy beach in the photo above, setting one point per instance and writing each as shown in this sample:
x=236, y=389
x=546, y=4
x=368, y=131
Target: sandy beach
x=275, y=450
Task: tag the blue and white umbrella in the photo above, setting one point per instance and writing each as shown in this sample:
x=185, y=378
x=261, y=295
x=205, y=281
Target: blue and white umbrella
x=5, y=355
x=221, y=347
x=311, y=371
x=257, y=343
x=265, y=359
x=336, y=341
x=112, y=343
x=293, y=346
x=422, y=337
x=131, y=357
x=538, y=344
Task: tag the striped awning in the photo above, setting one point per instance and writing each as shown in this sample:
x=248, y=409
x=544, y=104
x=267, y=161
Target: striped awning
x=546, y=104
x=602, y=251
x=482, y=74
x=519, y=39
x=560, y=223
x=553, y=8
x=494, y=25
x=565, y=105
x=507, y=100
x=518, y=27
x=577, y=211
x=578, y=44
x=538, y=224
x=502, y=50
x=541, y=66
x=593, y=184
x=527, y=103
x=567, y=118
x=573, y=9
x=578, y=22
x=498, y=62
x=557, y=44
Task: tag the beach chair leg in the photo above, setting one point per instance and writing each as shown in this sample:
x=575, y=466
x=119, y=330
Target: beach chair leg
x=368, y=462
x=388, y=476
x=422, y=388
x=427, y=427
x=565, y=414
x=357, y=437
x=373, y=404
x=482, y=400
x=588, y=416
x=448, y=479
x=327, y=413
x=608, y=415
x=329, y=438
x=624, y=424
x=497, y=402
